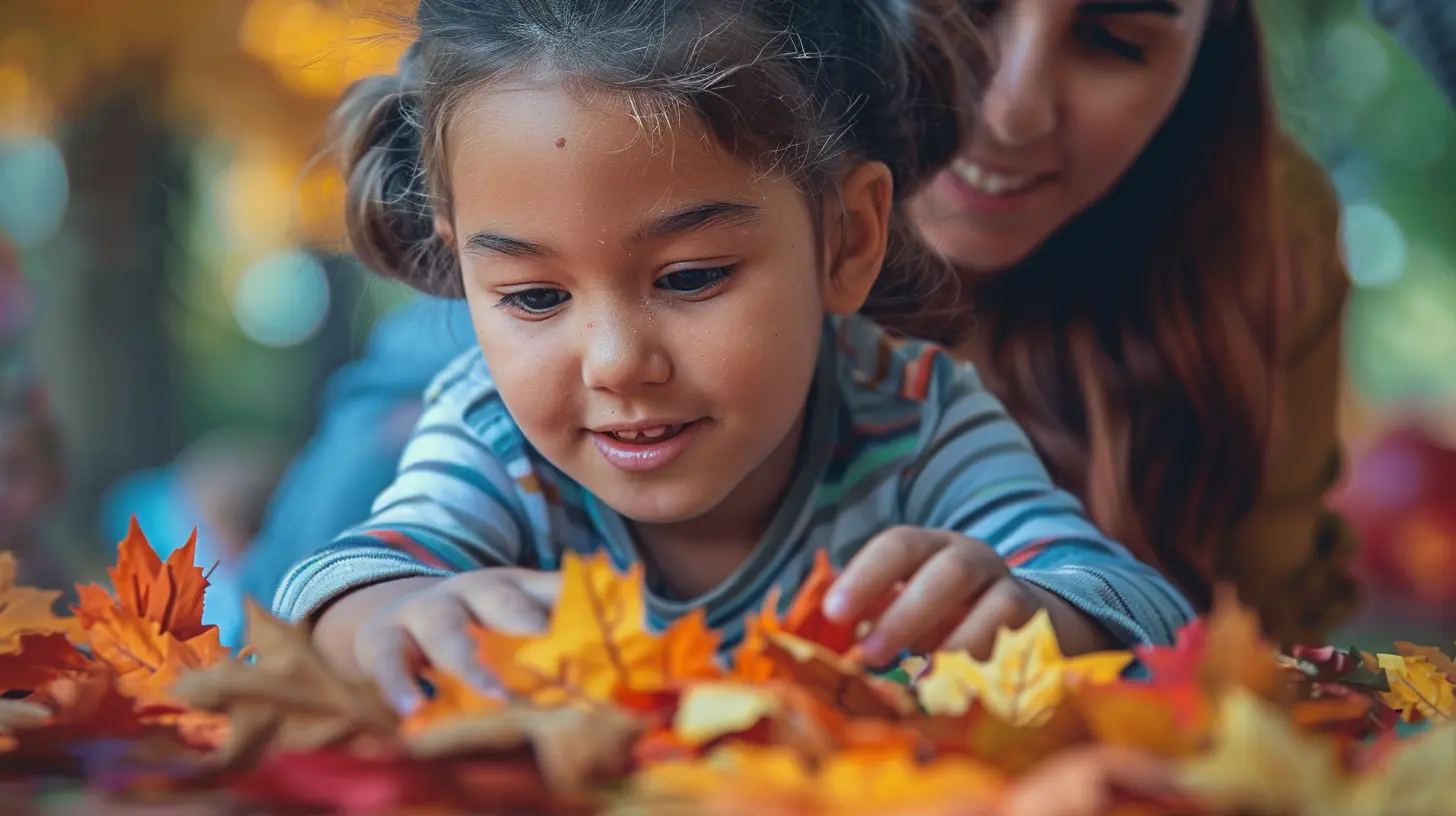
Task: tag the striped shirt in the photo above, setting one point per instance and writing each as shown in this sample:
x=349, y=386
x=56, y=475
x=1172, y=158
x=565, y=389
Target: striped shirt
x=896, y=433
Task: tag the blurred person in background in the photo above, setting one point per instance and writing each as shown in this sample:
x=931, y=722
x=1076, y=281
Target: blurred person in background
x=32, y=470
x=218, y=487
x=368, y=411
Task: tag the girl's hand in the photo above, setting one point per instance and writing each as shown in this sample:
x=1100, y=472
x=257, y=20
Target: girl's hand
x=957, y=594
x=429, y=625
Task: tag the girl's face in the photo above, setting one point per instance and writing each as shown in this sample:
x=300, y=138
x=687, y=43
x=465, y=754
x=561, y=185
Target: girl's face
x=649, y=306
x=1079, y=88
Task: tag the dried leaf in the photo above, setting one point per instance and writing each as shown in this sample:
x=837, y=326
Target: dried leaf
x=839, y=680
x=26, y=610
x=453, y=699
x=573, y=746
x=148, y=660
x=1236, y=654
x=1419, y=689
x=598, y=642
x=751, y=779
x=1023, y=682
x=1435, y=656
x=170, y=593
x=39, y=658
x=290, y=700
x=986, y=737
x=1164, y=719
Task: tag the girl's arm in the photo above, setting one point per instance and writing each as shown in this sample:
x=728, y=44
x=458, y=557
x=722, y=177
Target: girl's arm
x=979, y=476
x=452, y=507
x=1291, y=556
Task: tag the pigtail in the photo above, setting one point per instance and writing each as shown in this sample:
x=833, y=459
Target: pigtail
x=930, y=62
x=389, y=209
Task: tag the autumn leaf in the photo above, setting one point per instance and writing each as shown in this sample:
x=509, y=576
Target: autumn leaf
x=289, y=700
x=1164, y=719
x=170, y=593
x=753, y=779
x=39, y=658
x=84, y=706
x=984, y=736
x=1235, y=654
x=26, y=610
x=572, y=747
x=147, y=659
x=1435, y=656
x=1419, y=689
x=453, y=699
x=598, y=642
x=1023, y=682
x=336, y=781
x=839, y=680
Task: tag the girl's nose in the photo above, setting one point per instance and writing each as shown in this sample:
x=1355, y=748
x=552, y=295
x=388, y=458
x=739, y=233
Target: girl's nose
x=623, y=354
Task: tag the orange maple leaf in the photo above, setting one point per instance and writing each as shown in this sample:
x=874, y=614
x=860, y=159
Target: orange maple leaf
x=86, y=706
x=453, y=699
x=170, y=593
x=148, y=660
x=598, y=643
x=807, y=648
x=26, y=610
x=38, y=659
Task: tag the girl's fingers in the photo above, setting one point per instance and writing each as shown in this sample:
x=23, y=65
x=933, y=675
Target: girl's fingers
x=510, y=607
x=384, y=656
x=1006, y=603
x=542, y=587
x=889, y=558
x=443, y=635
x=958, y=573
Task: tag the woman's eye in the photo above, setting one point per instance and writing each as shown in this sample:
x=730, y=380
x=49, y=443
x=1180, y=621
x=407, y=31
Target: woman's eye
x=693, y=281
x=535, y=301
x=1100, y=38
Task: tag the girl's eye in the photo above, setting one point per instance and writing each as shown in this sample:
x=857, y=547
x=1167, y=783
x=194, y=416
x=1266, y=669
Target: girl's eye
x=535, y=301
x=693, y=281
x=1100, y=38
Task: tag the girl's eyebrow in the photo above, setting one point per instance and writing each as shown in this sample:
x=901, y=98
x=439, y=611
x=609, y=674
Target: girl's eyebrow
x=1167, y=7
x=690, y=219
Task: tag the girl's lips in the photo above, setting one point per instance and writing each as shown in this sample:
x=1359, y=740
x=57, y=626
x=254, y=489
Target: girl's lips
x=642, y=454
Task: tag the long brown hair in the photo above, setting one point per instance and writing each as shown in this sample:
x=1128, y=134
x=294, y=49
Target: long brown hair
x=1140, y=346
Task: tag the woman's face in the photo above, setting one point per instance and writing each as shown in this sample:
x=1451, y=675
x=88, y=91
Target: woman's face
x=1079, y=88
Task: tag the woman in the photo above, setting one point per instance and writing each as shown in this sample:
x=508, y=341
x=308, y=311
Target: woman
x=1155, y=290
x=1121, y=219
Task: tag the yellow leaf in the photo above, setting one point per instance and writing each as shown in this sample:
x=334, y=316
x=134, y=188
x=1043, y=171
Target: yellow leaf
x=1024, y=680
x=598, y=642
x=707, y=711
x=26, y=610
x=1419, y=689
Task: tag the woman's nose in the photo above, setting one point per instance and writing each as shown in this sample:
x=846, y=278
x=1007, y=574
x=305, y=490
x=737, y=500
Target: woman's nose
x=1021, y=102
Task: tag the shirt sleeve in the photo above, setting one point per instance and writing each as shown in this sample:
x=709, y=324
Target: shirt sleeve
x=979, y=476
x=452, y=507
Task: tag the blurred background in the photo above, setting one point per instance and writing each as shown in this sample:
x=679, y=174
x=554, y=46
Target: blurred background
x=173, y=296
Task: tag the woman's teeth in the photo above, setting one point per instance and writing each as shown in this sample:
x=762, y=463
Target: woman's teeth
x=646, y=433
x=987, y=182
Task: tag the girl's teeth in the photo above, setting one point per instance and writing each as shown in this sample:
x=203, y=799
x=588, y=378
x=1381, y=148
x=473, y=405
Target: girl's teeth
x=986, y=181
x=649, y=433
x=653, y=433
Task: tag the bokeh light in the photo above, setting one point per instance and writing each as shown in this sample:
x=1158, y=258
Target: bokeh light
x=1375, y=247
x=34, y=190
x=282, y=300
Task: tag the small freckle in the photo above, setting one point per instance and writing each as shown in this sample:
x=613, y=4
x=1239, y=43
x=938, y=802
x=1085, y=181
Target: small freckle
x=561, y=142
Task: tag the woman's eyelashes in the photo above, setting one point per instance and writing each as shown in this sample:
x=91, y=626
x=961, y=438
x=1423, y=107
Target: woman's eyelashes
x=543, y=301
x=1087, y=30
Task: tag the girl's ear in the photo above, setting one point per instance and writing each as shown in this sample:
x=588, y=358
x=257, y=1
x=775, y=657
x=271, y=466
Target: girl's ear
x=444, y=230
x=856, y=231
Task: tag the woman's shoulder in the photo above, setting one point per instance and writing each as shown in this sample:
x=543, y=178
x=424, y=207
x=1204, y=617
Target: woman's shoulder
x=1311, y=211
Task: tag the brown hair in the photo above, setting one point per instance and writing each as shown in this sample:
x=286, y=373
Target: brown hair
x=1140, y=347
x=795, y=89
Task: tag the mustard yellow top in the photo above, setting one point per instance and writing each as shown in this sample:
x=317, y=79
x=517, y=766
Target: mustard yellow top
x=1290, y=557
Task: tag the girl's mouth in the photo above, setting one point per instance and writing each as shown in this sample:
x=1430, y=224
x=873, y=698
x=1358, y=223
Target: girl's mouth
x=647, y=447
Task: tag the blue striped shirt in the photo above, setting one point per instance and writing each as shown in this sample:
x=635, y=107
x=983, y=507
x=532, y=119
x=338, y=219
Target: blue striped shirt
x=896, y=433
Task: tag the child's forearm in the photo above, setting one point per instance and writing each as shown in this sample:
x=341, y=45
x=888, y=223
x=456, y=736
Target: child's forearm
x=336, y=628
x=1077, y=632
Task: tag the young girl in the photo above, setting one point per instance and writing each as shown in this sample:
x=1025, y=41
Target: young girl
x=664, y=217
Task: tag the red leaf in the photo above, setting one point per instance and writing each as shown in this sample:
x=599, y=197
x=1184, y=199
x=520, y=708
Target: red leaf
x=336, y=781
x=40, y=659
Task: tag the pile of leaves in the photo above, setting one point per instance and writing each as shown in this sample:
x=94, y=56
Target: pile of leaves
x=135, y=697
